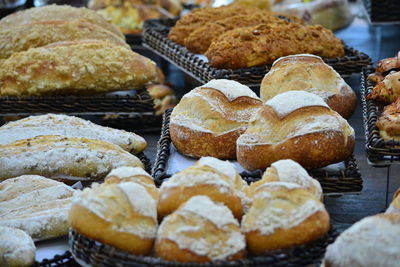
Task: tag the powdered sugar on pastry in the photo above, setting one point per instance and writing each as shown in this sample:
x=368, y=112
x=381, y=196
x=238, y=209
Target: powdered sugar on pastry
x=231, y=89
x=126, y=171
x=16, y=247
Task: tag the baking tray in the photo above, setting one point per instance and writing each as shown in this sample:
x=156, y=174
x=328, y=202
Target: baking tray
x=155, y=37
x=332, y=180
x=379, y=12
x=379, y=152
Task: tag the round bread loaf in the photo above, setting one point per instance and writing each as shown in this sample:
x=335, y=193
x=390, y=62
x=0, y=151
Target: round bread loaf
x=372, y=242
x=395, y=205
x=309, y=73
x=210, y=118
x=283, y=215
x=120, y=215
x=288, y=171
x=209, y=176
x=295, y=125
x=200, y=231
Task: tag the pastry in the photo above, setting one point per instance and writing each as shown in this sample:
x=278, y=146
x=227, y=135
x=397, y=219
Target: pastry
x=387, y=90
x=388, y=64
x=372, y=242
x=210, y=118
x=389, y=122
x=23, y=37
x=36, y=205
x=214, y=178
x=309, y=73
x=283, y=215
x=395, y=205
x=200, y=231
x=121, y=215
x=134, y=175
x=54, y=124
x=288, y=171
x=263, y=44
x=78, y=67
x=57, y=12
x=16, y=248
x=164, y=97
x=295, y=125
x=61, y=157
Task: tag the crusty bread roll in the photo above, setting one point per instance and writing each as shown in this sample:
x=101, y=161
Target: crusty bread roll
x=16, y=248
x=55, y=124
x=57, y=12
x=295, y=125
x=387, y=90
x=283, y=215
x=212, y=177
x=311, y=74
x=288, y=171
x=61, y=157
x=210, y=118
x=372, y=242
x=121, y=215
x=395, y=205
x=77, y=67
x=36, y=205
x=135, y=175
x=23, y=37
x=389, y=122
x=200, y=231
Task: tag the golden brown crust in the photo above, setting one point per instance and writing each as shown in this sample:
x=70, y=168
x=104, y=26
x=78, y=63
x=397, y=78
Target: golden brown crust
x=80, y=67
x=387, y=90
x=343, y=104
x=389, y=122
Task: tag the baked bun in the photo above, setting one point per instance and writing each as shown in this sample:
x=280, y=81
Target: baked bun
x=200, y=231
x=389, y=122
x=283, y=215
x=372, y=242
x=57, y=12
x=210, y=118
x=395, y=205
x=212, y=177
x=120, y=215
x=311, y=74
x=288, y=171
x=16, y=248
x=57, y=124
x=76, y=67
x=61, y=157
x=36, y=205
x=295, y=125
x=134, y=175
x=387, y=90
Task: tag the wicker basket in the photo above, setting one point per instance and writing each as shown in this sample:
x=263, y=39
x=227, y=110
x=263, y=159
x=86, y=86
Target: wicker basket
x=155, y=34
x=382, y=11
x=343, y=181
x=64, y=260
x=379, y=151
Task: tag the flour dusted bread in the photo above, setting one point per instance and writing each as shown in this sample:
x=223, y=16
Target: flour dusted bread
x=16, y=248
x=200, y=231
x=36, y=205
x=283, y=215
x=56, y=124
x=295, y=125
x=209, y=119
x=395, y=205
x=61, y=157
x=214, y=178
x=74, y=68
x=23, y=37
x=57, y=12
x=311, y=74
x=121, y=215
x=389, y=122
x=372, y=242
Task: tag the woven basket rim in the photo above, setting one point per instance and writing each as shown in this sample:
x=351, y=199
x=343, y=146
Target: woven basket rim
x=64, y=259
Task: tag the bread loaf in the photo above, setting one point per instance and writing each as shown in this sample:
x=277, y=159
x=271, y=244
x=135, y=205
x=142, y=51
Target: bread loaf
x=77, y=67
x=210, y=118
x=395, y=205
x=200, y=231
x=36, y=205
x=389, y=122
x=61, y=157
x=55, y=124
x=309, y=73
x=295, y=125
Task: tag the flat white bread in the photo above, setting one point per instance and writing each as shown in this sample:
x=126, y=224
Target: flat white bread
x=74, y=68
x=57, y=12
x=54, y=124
x=61, y=157
x=16, y=248
x=36, y=205
x=23, y=37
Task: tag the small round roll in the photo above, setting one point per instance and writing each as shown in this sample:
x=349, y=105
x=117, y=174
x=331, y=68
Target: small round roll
x=395, y=205
x=120, y=215
x=200, y=231
x=283, y=215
